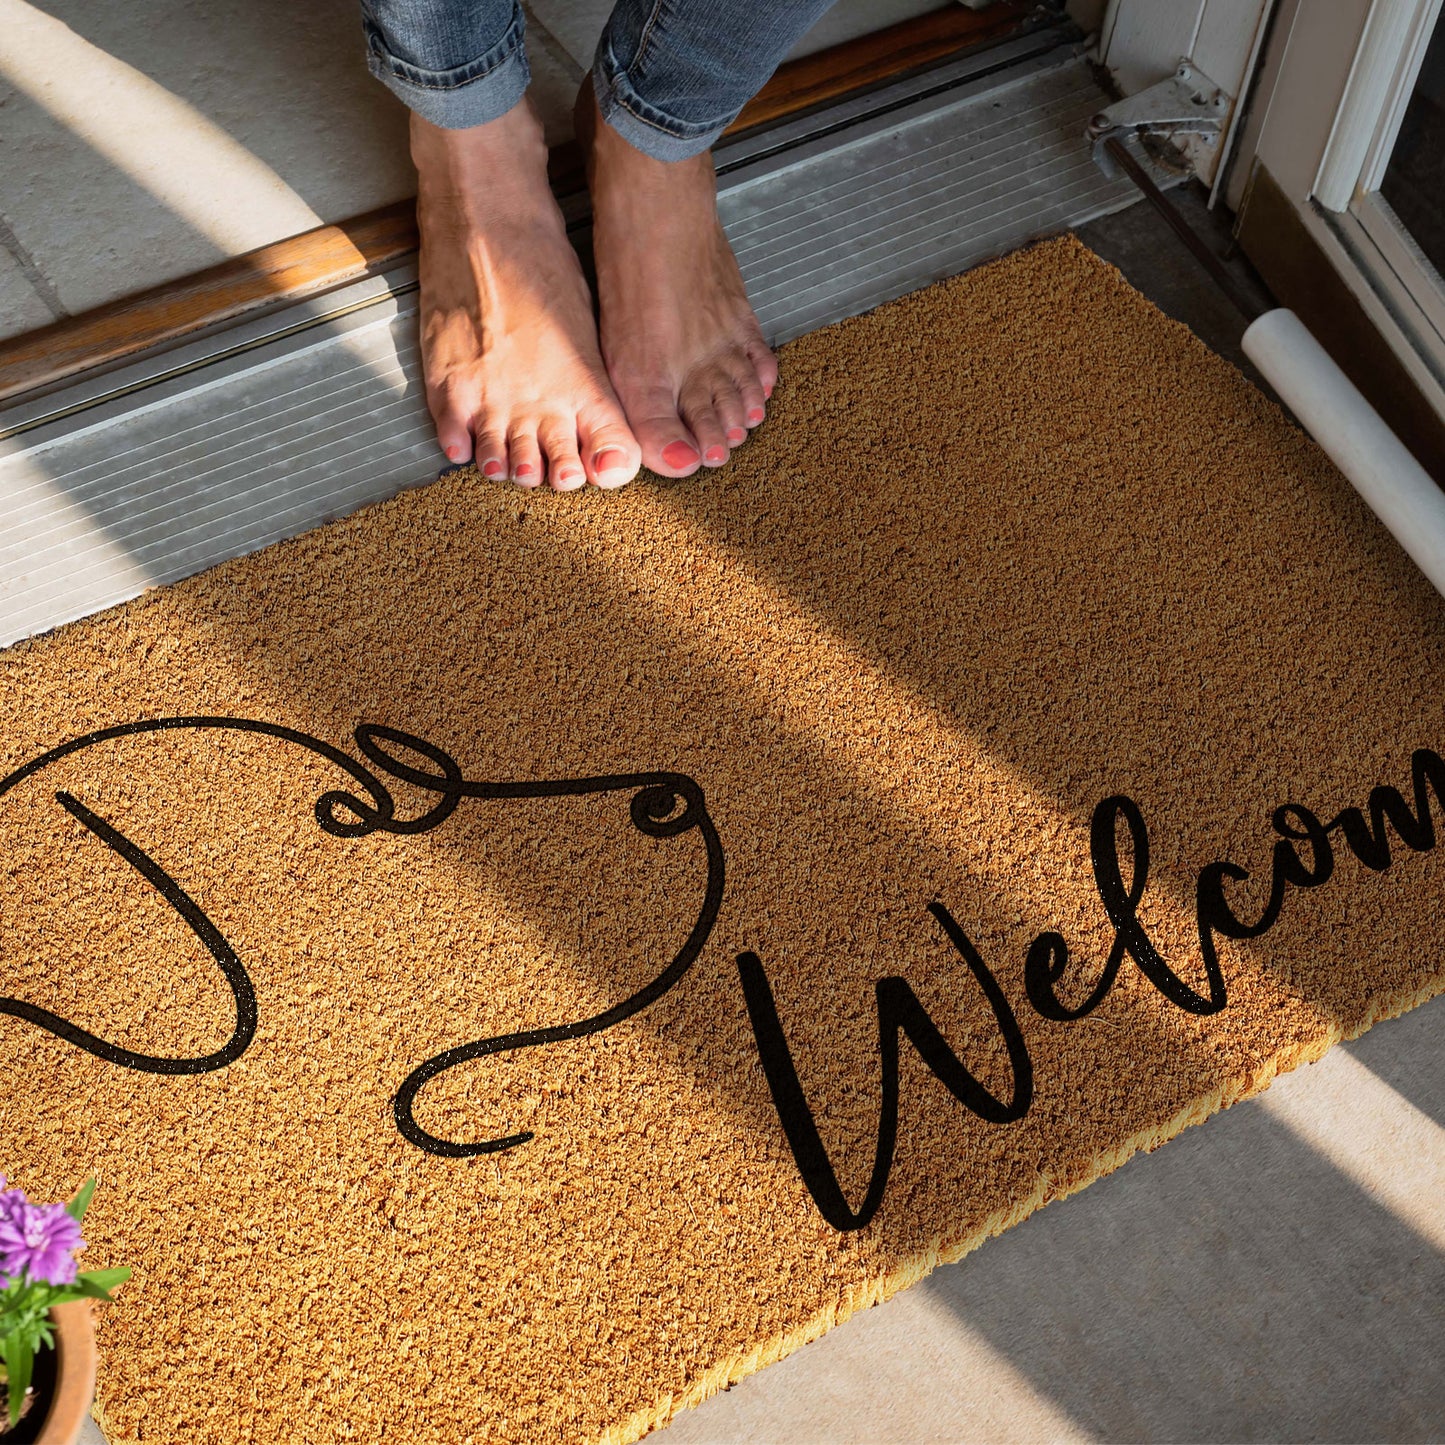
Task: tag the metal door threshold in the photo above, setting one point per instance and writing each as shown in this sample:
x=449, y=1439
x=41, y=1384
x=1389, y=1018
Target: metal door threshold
x=149, y=473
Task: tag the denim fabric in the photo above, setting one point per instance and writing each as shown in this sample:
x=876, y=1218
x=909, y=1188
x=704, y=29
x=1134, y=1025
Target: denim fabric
x=456, y=63
x=670, y=75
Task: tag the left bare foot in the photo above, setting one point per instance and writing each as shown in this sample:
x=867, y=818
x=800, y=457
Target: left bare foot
x=682, y=346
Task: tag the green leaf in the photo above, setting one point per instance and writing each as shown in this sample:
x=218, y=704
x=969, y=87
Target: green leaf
x=19, y=1357
x=22, y=1311
x=98, y=1283
x=77, y=1206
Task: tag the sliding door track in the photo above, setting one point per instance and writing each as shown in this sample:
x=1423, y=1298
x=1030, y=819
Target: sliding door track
x=172, y=463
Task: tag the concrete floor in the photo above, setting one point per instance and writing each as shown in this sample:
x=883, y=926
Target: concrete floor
x=145, y=141
x=1276, y=1274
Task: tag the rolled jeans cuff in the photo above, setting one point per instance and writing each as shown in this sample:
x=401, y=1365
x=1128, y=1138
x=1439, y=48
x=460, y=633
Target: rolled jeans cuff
x=466, y=95
x=653, y=132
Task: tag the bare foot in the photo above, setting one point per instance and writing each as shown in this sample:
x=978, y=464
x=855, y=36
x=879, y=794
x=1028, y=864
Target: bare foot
x=514, y=377
x=682, y=345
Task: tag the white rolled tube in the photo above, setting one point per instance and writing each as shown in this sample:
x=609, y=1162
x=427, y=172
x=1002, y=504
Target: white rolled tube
x=1396, y=487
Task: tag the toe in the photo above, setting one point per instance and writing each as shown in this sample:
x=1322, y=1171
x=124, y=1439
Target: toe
x=750, y=394
x=703, y=421
x=491, y=454
x=712, y=438
x=730, y=410
x=454, y=426
x=526, y=457
x=765, y=364
x=668, y=448
x=564, y=466
x=610, y=452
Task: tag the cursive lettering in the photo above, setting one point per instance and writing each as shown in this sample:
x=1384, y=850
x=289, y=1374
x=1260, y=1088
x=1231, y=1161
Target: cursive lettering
x=899, y=1012
x=1047, y=962
x=663, y=805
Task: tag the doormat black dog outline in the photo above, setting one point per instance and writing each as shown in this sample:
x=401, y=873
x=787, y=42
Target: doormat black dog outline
x=669, y=804
x=654, y=811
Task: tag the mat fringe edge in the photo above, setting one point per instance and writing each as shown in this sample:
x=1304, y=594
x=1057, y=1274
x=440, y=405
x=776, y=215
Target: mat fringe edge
x=948, y=1251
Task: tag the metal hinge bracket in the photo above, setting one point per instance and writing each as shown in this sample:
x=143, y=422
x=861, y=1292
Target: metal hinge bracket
x=1189, y=103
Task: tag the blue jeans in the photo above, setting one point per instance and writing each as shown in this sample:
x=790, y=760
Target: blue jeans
x=670, y=75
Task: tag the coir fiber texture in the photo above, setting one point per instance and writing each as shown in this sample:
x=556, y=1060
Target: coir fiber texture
x=516, y=963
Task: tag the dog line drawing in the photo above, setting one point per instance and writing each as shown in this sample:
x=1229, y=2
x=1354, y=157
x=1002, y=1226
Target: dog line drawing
x=663, y=805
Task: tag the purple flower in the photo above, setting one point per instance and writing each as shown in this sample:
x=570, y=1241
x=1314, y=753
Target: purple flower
x=10, y=1200
x=36, y=1241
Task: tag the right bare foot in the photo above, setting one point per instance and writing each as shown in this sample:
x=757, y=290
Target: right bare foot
x=514, y=377
x=682, y=344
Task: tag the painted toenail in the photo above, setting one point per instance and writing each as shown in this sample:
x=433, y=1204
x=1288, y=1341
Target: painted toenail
x=736, y=434
x=457, y=454
x=612, y=460
x=526, y=469
x=570, y=475
x=679, y=455
x=717, y=454
x=755, y=415
x=767, y=391
x=493, y=469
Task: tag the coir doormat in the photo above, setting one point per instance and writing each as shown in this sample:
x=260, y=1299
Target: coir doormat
x=518, y=963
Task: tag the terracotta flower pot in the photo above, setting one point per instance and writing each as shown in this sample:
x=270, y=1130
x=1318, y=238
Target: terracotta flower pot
x=75, y=1374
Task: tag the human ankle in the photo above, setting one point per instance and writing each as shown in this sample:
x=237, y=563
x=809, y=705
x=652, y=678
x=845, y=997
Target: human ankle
x=506, y=152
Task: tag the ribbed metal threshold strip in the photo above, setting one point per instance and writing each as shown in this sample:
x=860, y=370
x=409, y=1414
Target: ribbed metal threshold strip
x=163, y=468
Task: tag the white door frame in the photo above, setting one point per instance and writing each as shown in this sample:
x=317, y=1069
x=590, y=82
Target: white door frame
x=1342, y=72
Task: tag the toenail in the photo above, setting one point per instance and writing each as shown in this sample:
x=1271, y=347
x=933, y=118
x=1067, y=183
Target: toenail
x=526, y=469
x=612, y=460
x=493, y=469
x=679, y=455
x=767, y=391
x=457, y=454
x=736, y=434
x=755, y=415
x=717, y=454
x=570, y=475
